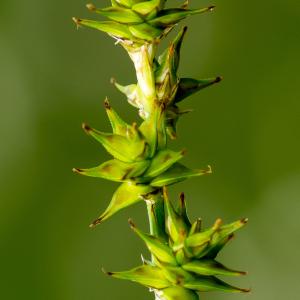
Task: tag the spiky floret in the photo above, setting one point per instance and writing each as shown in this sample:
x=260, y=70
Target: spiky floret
x=184, y=258
x=141, y=159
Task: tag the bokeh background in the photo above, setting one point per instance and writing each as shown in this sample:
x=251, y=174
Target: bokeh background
x=53, y=77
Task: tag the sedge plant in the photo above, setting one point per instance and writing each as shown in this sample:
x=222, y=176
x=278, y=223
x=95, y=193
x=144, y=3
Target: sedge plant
x=183, y=254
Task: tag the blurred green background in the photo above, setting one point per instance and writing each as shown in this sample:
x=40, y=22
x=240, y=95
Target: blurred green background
x=53, y=77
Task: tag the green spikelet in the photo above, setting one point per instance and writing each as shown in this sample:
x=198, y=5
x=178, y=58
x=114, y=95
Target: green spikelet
x=191, y=273
x=183, y=254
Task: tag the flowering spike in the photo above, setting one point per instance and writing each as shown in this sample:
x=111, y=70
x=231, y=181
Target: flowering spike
x=183, y=255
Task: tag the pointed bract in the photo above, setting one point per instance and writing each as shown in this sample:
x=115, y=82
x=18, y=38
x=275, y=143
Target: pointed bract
x=146, y=275
x=210, y=283
x=177, y=173
x=210, y=267
x=156, y=246
x=116, y=170
x=126, y=195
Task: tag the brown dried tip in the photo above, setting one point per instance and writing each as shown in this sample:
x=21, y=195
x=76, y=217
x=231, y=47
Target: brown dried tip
x=91, y=7
x=95, y=223
x=218, y=79
x=76, y=21
x=183, y=151
x=112, y=80
x=132, y=225
x=106, y=273
x=245, y=290
x=182, y=197
x=217, y=224
x=86, y=127
x=106, y=103
x=243, y=273
x=244, y=221
x=76, y=170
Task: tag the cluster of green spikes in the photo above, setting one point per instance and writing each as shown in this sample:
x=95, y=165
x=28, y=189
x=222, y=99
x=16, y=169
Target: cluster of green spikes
x=183, y=254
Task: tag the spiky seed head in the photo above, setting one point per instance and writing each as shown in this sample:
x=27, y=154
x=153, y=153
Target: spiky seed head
x=196, y=268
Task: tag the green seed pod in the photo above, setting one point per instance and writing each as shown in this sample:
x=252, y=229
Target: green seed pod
x=146, y=275
x=214, y=249
x=176, y=275
x=210, y=267
x=145, y=32
x=116, y=170
x=201, y=238
x=189, y=86
x=169, y=60
x=119, y=146
x=177, y=173
x=162, y=161
x=175, y=225
x=157, y=247
x=112, y=28
x=169, y=17
x=121, y=15
x=211, y=283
